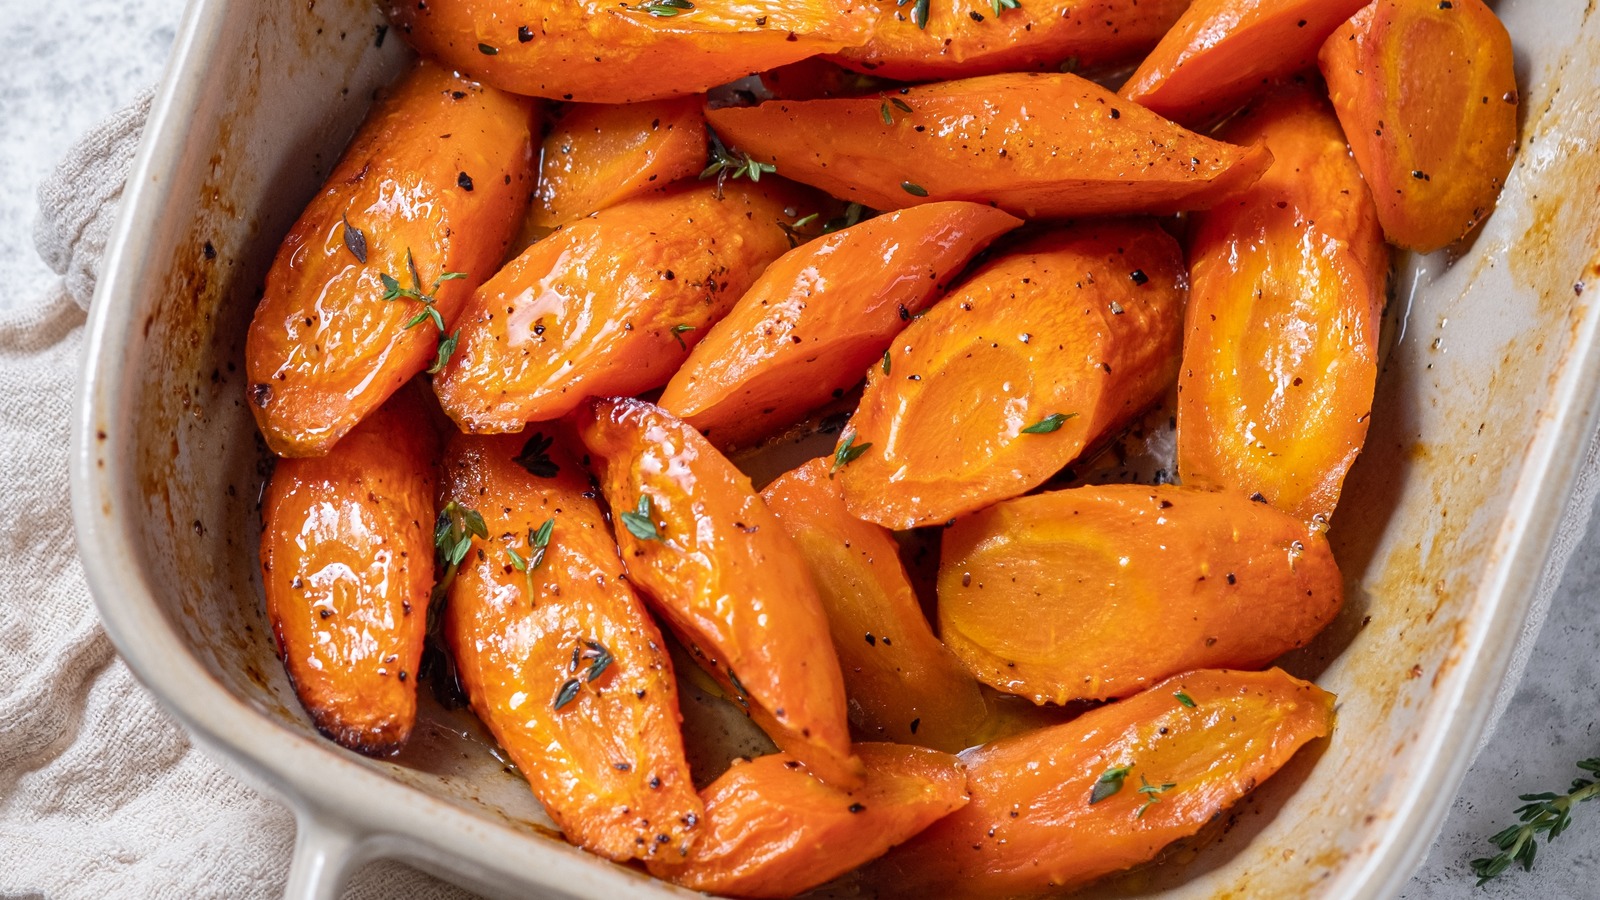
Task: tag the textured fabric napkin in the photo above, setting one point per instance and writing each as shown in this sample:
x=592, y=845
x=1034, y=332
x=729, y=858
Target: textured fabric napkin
x=101, y=794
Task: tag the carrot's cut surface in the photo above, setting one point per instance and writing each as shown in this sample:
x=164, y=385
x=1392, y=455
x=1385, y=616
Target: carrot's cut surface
x=1287, y=289
x=440, y=173
x=820, y=315
x=1033, y=145
x=1043, y=352
x=597, y=155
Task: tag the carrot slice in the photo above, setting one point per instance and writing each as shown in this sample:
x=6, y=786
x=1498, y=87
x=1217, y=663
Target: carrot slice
x=602, y=52
x=611, y=304
x=962, y=40
x=773, y=830
x=1427, y=92
x=347, y=565
x=597, y=155
x=325, y=348
x=1061, y=806
x=558, y=655
x=1033, y=145
x=1287, y=287
x=1222, y=50
x=820, y=315
x=1064, y=339
x=725, y=575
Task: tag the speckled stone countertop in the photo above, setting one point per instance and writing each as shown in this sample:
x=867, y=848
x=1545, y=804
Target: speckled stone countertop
x=71, y=64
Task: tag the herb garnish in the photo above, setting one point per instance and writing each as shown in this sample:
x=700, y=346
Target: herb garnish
x=538, y=542
x=1049, y=423
x=535, y=456
x=639, y=523
x=915, y=190
x=847, y=453
x=1152, y=794
x=665, y=9
x=1185, y=699
x=567, y=693
x=890, y=104
x=919, y=12
x=677, y=334
x=727, y=164
x=1108, y=783
x=1001, y=6
x=453, y=532
x=447, y=347
x=392, y=291
x=355, y=240
x=886, y=362
x=1546, y=813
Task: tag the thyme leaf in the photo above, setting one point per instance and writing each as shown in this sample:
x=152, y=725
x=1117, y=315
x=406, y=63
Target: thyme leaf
x=1049, y=423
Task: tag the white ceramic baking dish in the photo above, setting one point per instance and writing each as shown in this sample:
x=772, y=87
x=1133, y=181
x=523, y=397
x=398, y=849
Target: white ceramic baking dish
x=1485, y=402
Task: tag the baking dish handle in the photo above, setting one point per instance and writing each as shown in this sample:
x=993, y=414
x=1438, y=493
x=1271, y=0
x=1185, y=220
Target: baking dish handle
x=324, y=856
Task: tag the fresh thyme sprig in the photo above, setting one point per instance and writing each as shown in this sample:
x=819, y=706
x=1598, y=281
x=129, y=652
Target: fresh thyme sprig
x=1108, y=784
x=1548, y=814
x=453, y=531
x=1152, y=794
x=919, y=12
x=726, y=164
x=1049, y=424
x=847, y=453
x=1001, y=6
x=665, y=8
x=538, y=542
x=599, y=659
x=392, y=291
x=890, y=104
x=640, y=522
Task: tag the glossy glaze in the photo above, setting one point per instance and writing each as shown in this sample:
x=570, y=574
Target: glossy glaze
x=441, y=167
x=597, y=155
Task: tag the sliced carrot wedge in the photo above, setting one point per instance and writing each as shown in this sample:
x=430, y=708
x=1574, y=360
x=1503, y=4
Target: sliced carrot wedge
x=558, y=655
x=1033, y=145
x=1064, y=339
x=1064, y=805
x=611, y=304
x=1222, y=50
x=819, y=316
x=1098, y=592
x=598, y=155
x=1427, y=92
x=774, y=830
x=1287, y=285
x=725, y=576
x=326, y=347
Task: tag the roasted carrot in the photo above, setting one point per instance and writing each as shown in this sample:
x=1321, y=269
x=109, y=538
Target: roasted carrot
x=820, y=315
x=1427, y=92
x=774, y=830
x=1061, y=806
x=904, y=686
x=560, y=658
x=1098, y=592
x=596, y=52
x=1222, y=50
x=1287, y=285
x=611, y=304
x=424, y=201
x=1031, y=144
x=958, y=40
x=725, y=576
x=347, y=565
x=1043, y=352
x=597, y=155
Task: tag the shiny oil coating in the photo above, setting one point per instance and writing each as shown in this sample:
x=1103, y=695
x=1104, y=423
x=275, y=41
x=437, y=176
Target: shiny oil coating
x=1034, y=145
x=726, y=577
x=608, y=765
x=441, y=168
x=347, y=565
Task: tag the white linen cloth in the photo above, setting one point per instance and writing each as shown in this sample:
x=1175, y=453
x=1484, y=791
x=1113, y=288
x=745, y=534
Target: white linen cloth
x=101, y=793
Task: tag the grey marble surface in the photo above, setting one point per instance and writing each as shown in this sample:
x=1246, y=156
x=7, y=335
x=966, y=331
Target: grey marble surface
x=73, y=63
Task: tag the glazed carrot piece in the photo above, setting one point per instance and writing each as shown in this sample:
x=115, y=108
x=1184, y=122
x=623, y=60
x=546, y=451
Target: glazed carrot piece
x=1042, y=353
x=1287, y=285
x=438, y=176
x=1094, y=593
x=1062, y=806
x=904, y=686
x=560, y=658
x=1222, y=50
x=1427, y=92
x=1033, y=145
x=347, y=565
x=611, y=304
x=961, y=40
x=597, y=155
x=725, y=576
x=774, y=830
x=598, y=52
x=820, y=315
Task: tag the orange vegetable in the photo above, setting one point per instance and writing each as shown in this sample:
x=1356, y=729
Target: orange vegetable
x=439, y=173
x=904, y=685
x=1222, y=50
x=597, y=155
x=1043, y=352
x=598, y=52
x=1031, y=144
x=558, y=655
x=773, y=830
x=1033, y=825
x=1287, y=288
x=347, y=565
x=610, y=304
x=819, y=316
x=725, y=576
x=1039, y=35
x=1427, y=93
x=1097, y=592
